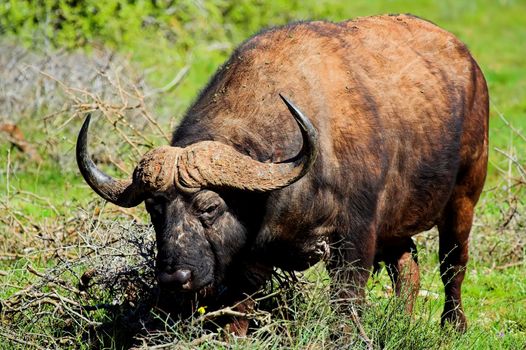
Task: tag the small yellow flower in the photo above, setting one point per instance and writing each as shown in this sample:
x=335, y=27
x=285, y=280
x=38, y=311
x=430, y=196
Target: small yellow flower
x=202, y=310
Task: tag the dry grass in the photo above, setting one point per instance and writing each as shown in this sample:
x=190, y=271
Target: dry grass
x=109, y=268
x=47, y=93
x=102, y=290
x=45, y=98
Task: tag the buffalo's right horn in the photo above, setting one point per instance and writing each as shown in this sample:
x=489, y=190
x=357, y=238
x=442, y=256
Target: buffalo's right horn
x=123, y=193
x=211, y=164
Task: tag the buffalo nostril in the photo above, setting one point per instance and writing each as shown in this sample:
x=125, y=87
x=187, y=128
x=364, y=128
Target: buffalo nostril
x=179, y=278
x=182, y=276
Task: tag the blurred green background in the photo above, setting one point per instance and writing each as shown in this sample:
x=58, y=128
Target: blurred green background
x=162, y=37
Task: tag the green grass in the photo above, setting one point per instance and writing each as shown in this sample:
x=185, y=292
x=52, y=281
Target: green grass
x=43, y=196
x=44, y=191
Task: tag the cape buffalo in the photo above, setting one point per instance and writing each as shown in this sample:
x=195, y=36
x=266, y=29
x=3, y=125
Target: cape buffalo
x=398, y=144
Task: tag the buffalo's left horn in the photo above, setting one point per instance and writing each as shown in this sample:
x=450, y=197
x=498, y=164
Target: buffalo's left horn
x=123, y=193
x=211, y=164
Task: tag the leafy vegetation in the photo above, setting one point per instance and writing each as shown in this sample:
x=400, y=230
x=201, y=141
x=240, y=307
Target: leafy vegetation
x=138, y=65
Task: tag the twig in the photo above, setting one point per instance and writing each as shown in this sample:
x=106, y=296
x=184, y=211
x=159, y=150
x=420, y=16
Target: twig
x=17, y=339
x=506, y=266
x=229, y=311
x=13, y=214
x=508, y=124
x=514, y=160
x=205, y=338
x=361, y=330
x=8, y=171
x=175, y=81
x=48, y=202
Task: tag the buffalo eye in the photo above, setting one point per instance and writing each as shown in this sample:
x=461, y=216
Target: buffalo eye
x=209, y=213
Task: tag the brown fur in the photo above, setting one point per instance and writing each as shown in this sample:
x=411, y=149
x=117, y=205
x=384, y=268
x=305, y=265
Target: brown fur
x=401, y=109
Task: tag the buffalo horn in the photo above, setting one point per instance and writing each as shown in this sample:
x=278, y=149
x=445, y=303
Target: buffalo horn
x=123, y=193
x=211, y=164
x=206, y=164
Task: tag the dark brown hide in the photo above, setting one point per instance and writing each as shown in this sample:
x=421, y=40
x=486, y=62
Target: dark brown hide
x=401, y=109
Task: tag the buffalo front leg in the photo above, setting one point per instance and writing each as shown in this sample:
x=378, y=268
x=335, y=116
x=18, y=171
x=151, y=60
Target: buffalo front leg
x=350, y=267
x=402, y=265
x=454, y=229
x=246, y=284
x=239, y=325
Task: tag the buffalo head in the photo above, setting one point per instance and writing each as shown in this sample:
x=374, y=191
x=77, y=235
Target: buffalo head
x=197, y=230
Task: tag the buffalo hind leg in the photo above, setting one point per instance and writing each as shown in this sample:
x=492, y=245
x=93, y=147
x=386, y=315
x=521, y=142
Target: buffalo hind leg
x=402, y=266
x=454, y=228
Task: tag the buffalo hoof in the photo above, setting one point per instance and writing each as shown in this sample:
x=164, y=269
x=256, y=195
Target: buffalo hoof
x=455, y=318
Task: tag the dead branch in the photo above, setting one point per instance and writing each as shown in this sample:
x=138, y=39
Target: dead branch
x=356, y=319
